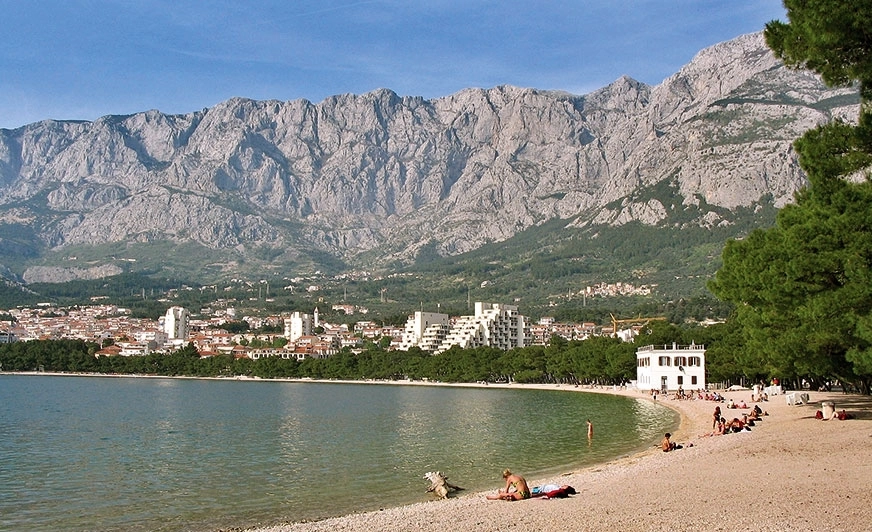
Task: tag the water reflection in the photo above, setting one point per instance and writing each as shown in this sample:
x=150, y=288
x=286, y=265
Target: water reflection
x=163, y=454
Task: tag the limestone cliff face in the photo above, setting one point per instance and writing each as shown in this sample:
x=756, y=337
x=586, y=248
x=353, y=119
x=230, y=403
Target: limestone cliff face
x=382, y=175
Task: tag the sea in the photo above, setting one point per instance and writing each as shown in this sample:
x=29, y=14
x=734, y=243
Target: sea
x=89, y=453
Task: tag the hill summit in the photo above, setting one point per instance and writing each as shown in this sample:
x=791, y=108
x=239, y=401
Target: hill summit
x=380, y=179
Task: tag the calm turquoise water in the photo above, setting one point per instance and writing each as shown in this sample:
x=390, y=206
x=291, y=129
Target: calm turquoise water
x=92, y=453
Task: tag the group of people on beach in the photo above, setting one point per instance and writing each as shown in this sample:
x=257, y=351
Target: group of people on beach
x=687, y=395
x=721, y=426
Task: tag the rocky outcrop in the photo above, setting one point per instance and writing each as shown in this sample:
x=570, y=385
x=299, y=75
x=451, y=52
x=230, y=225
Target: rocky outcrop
x=380, y=175
x=58, y=274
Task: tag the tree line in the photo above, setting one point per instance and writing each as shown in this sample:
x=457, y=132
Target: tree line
x=598, y=360
x=803, y=288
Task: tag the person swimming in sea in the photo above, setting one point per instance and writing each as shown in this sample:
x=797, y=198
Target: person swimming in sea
x=516, y=488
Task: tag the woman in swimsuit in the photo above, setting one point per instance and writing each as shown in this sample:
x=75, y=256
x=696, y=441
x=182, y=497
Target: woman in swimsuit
x=516, y=488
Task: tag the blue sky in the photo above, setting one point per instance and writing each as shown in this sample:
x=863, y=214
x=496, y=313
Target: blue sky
x=82, y=59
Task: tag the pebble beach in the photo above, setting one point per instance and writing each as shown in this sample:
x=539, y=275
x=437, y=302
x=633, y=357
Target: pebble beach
x=791, y=472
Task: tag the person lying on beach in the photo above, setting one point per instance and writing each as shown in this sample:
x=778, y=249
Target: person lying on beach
x=736, y=425
x=516, y=488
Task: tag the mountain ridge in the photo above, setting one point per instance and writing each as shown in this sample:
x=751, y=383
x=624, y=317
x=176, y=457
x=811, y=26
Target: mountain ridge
x=373, y=179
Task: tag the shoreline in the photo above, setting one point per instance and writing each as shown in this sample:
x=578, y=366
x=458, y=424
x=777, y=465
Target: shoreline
x=792, y=472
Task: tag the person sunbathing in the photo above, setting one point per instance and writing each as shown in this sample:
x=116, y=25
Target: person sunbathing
x=516, y=488
x=737, y=425
x=842, y=415
x=668, y=445
x=734, y=425
x=719, y=429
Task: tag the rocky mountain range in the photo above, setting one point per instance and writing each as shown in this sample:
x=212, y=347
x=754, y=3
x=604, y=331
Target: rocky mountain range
x=371, y=179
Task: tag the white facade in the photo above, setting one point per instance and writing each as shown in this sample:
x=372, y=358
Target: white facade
x=298, y=325
x=426, y=330
x=131, y=349
x=668, y=368
x=493, y=325
x=177, y=323
x=156, y=337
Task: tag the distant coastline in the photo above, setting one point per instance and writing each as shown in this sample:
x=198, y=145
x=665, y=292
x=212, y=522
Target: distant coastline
x=618, y=390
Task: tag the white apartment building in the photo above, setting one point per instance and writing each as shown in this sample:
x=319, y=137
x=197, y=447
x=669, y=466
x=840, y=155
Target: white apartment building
x=426, y=330
x=668, y=368
x=177, y=323
x=493, y=325
x=132, y=349
x=151, y=335
x=298, y=325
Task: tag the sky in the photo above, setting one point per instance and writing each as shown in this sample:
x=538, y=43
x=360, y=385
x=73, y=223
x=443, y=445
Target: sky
x=83, y=59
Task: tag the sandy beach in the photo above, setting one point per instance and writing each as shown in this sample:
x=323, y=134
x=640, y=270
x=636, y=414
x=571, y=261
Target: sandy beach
x=791, y=472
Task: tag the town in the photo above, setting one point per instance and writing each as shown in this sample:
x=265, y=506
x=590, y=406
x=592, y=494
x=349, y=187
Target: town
x=297, y=334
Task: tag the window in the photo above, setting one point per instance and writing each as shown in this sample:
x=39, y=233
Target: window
x=694, y=361
x=680, y=361
x=665, y=361
x=693, y=379
x=680, y=380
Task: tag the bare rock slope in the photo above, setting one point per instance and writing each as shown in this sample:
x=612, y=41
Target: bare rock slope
x=380, y=175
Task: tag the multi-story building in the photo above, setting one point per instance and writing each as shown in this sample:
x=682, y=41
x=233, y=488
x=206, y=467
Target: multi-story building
x=154, y=336
x=426, y=330
x=176, y=323
x=298, y=325
x=670, y=367
x=493, y=325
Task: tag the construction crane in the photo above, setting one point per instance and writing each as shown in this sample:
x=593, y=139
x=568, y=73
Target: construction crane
x=640, y=319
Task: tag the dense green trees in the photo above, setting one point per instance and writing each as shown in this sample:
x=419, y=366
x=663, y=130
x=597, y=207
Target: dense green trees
x=830, y=37
x=600, y=360
x=803, y=288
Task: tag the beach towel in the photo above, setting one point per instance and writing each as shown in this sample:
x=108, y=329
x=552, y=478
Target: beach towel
x=553, y=491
